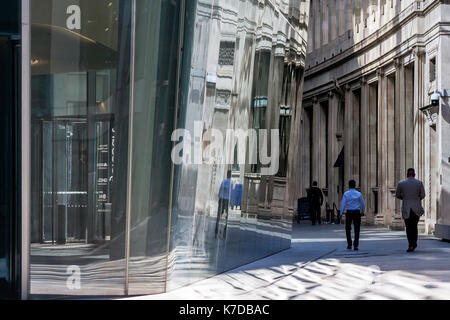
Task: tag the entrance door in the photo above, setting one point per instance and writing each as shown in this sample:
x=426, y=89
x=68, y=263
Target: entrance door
x=67, y=188
x=65, y=183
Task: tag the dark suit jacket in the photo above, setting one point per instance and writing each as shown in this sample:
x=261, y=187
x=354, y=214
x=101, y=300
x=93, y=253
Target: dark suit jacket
x=412, y=192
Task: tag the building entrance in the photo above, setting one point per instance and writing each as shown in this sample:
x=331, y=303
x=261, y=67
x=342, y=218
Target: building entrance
x=67, y=188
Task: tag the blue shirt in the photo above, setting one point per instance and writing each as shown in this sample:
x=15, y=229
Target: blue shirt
x=225, y=189
x=352, y=200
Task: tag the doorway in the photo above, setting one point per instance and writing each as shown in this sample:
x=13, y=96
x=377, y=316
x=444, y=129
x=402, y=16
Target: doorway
x=66, y=187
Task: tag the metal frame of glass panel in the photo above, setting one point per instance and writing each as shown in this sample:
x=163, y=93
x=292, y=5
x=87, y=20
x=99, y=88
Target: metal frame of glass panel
x=26, y=146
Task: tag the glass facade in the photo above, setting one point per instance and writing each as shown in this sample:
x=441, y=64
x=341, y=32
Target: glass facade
x=80, y=97
x=9, y=146
x=113, y=83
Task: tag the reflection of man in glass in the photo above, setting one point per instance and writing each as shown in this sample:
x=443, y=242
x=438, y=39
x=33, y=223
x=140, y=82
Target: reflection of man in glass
x=315, y=198
x=224, y=201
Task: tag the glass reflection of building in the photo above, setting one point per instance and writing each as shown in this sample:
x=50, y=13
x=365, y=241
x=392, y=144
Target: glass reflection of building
x=110, y=213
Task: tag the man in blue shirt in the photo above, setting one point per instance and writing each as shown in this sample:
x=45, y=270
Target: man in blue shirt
x=224, y=202
x=353, y=204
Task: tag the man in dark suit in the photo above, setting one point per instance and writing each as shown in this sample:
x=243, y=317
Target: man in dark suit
x=315, y=198
x=411, y=191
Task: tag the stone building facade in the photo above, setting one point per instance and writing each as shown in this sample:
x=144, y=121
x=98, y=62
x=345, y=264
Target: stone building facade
x=371, y=67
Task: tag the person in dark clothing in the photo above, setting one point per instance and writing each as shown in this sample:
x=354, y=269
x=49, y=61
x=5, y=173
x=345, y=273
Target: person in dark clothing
x=412, y=192
x=315, y=198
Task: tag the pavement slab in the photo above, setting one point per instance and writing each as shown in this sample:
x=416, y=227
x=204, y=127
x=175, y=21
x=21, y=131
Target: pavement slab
x=319, y=267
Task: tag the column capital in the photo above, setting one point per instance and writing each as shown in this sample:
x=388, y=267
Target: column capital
x=380, y=72
x=398, y=63
x=348, y=87
x=418, y=51
x=363, y=81
x=315, y=100
x=331, y=93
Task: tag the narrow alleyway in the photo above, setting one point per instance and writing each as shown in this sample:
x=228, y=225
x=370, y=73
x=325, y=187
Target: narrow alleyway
x=318, y=266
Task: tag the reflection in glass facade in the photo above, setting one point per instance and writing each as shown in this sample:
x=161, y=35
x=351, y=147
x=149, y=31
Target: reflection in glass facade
x=111, y=81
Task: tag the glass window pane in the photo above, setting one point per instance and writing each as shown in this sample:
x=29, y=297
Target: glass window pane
x=231, y=210
x=157, y=39
x=80, y=64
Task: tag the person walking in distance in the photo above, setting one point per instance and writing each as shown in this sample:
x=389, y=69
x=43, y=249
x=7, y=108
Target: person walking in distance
x=411, y=191
x=315, y=198
x=354, y=206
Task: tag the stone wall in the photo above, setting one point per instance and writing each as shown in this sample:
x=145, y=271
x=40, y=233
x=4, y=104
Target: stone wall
x=367, y=76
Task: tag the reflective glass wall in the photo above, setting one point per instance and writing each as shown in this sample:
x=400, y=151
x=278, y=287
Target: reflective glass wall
x=80, y=94
x=241, y=76
x=122, y=90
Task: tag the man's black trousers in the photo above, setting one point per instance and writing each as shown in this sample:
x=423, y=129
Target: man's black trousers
x=223, y=207
x=353, y=216
x=316, y=214
x=412, y=231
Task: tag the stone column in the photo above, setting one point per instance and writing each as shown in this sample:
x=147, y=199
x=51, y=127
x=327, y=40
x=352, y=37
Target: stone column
x=315, y=170
x=373, y=151
x=356, y=139
x=312, y=26
x=306, y=152
x=364, y=7
x=340, y=8
x=390, y=155
x=322, y=141
x=400, y=142
x=333, y=23
x=333, y=148
x=348, y=135
x=358, y=18
x=349, y=9
x=317, y=24
x=364, y=140
x=420, y=125
x=383, y=149
x=322, y=156
x=419, y=118
x=324, y=22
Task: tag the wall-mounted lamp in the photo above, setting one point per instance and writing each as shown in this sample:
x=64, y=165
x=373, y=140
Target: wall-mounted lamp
x=432, y=113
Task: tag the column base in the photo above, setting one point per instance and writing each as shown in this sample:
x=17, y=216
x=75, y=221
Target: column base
x=422, y=227
x=397, y=224
x=379, y=221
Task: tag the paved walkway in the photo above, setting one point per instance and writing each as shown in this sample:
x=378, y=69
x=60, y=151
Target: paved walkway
x=318, y=266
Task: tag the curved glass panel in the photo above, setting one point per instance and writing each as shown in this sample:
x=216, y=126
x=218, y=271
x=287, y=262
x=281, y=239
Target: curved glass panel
x=155, y=90
x=241, y=87
x=80, y=105
x=209, y=132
